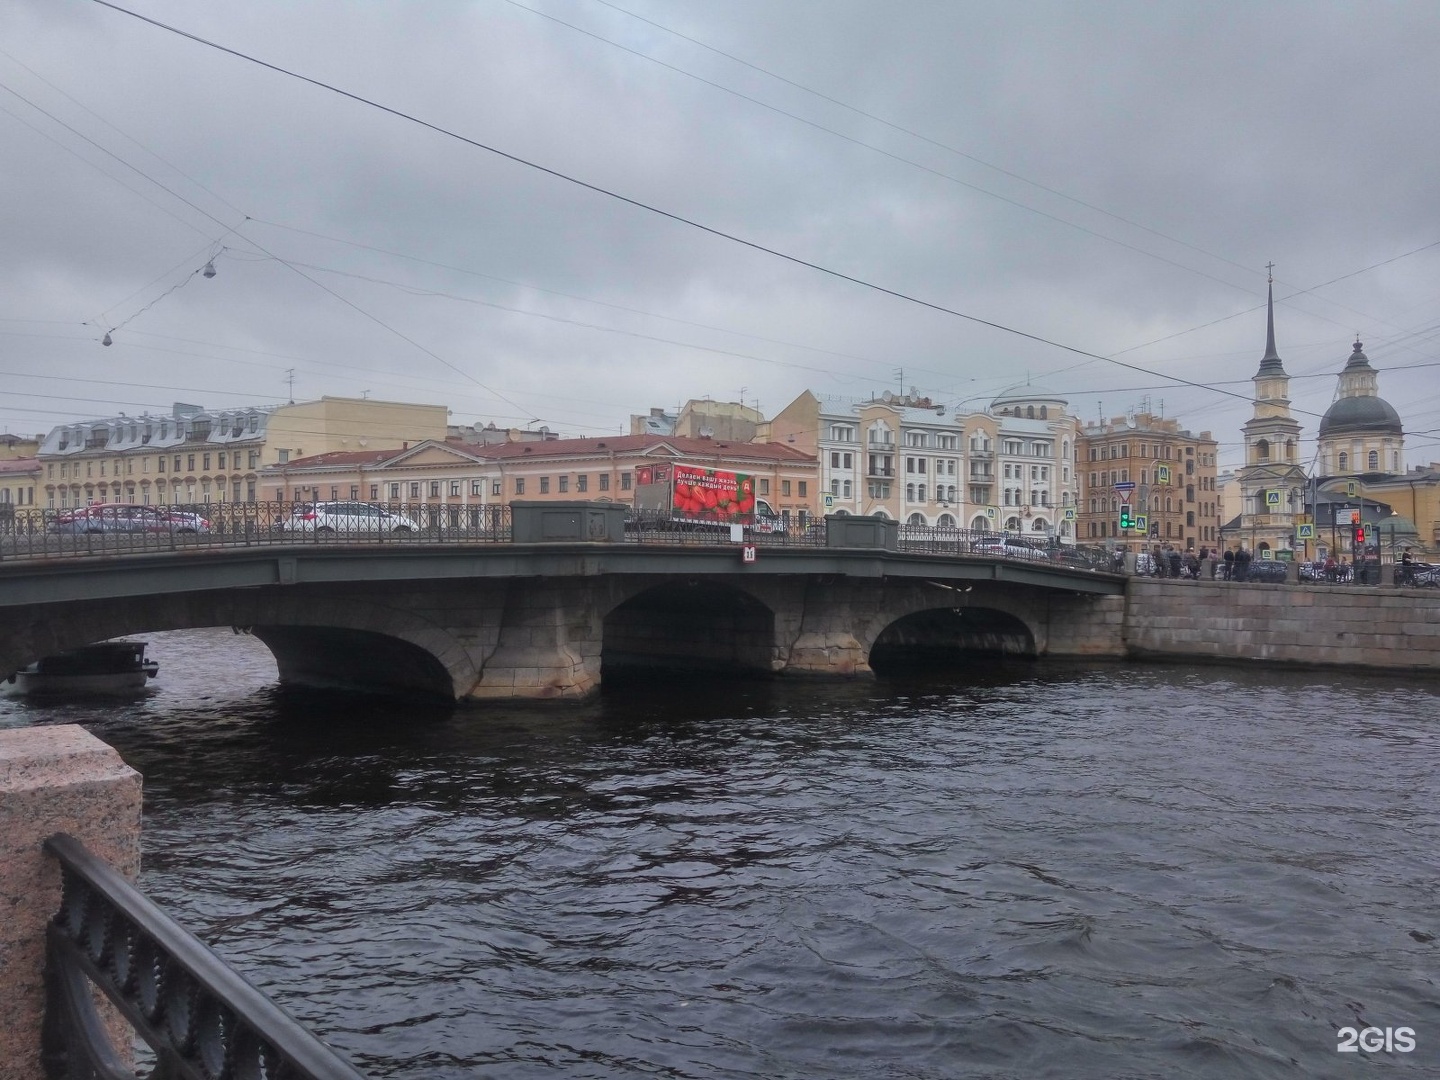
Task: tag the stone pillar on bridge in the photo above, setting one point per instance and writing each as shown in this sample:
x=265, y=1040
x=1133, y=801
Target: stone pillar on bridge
x=547, y=644
x=816, y=624
x=52, y=779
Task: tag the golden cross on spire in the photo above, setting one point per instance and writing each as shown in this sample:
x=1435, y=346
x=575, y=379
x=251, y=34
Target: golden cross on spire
x=1270, y=269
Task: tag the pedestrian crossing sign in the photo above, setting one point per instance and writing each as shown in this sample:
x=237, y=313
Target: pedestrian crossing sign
x=1140, y=523
x=1305, y=532
x=1272, y=498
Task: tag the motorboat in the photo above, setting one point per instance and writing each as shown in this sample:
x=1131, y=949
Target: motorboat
x=107, y=667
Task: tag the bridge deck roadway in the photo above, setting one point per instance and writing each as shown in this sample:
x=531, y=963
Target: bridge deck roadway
x=116, y=577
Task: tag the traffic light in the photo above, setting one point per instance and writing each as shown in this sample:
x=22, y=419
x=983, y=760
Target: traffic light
x=1125, y=521
x=1359, y=535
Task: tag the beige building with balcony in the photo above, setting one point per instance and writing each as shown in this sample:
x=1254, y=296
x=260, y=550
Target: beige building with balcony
x=907, y=458
x=196, y=456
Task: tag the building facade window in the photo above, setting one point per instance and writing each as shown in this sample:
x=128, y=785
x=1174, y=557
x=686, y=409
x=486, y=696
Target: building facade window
x=544, y=485
x=564, y=484
x=519, y=485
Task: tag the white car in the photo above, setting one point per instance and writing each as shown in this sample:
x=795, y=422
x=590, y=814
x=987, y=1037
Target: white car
x=345, y=517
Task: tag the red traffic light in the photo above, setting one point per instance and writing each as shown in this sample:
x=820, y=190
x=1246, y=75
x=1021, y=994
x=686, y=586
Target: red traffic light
x=1359, y=536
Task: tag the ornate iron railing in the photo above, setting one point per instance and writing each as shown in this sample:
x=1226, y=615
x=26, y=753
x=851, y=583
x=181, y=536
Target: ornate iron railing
x=111, y=530
x=202, y=1020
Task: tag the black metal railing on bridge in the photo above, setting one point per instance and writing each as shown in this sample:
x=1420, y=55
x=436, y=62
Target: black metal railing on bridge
x=201, y=1020
x=111, y=529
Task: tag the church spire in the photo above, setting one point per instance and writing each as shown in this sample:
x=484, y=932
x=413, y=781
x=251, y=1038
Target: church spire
x=1270, y=364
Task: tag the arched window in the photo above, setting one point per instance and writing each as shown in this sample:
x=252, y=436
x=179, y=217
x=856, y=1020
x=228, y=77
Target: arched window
x=1374, y=460
x=1029, y=412
x=1044, y=413
x=946, y=521
x=1344, y=461
x=980, y=523
x=1262, y=450
x=1012, y=524
x=1039, y=525
x=916, y=519
x=1092, y=504
x=1157, y=504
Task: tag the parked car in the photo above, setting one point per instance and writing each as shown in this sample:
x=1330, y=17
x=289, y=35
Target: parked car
x=345, y=517
x=126, y=518
x=1009, y=547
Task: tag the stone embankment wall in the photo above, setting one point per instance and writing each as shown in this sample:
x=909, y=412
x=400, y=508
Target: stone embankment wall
x=1347, y=626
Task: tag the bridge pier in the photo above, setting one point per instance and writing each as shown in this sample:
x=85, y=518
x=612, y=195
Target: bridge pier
x=815, y=629
x=547, y=643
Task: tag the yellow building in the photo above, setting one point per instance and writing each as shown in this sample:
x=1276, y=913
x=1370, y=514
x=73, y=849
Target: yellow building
x=451, y=474
x=197, y=456
x=19, y=479
x=17, y=446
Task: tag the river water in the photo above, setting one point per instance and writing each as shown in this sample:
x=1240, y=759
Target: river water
x=1030, y=870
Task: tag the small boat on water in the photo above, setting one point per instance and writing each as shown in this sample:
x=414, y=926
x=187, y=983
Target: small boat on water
x=107, y=667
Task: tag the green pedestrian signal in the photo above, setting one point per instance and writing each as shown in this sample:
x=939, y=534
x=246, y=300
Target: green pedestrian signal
x=1126, y=522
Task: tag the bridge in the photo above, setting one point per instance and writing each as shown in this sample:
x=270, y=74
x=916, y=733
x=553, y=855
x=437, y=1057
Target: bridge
x=541, y=611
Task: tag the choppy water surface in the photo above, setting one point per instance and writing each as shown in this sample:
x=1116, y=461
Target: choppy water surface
x=1044, y=870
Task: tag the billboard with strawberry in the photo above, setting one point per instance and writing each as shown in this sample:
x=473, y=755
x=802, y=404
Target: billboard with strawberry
x=710, y=496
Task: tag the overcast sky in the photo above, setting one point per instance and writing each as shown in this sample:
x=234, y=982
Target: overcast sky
x=1112, y=178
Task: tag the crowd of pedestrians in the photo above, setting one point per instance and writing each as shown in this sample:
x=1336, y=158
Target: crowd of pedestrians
x=1235, y=564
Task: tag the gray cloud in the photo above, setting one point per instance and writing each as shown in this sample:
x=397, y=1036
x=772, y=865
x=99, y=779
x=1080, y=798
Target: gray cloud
x=1224, y=136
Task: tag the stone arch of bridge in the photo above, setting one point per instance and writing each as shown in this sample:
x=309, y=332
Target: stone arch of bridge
x=933, y=619
x=334, y=641
x=687, y=623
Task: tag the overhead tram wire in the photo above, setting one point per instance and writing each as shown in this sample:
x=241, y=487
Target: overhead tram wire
x=875, y=149
x=231, y=229
x=921, y=137
x=649, y=208
x=930, y=141
x=587, y=299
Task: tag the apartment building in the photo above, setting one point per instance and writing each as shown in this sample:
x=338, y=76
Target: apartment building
x=1159, y=475
x=908, y=458
x=197, y=455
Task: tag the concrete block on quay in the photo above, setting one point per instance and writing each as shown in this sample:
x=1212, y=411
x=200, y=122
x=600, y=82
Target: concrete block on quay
x=52, y=779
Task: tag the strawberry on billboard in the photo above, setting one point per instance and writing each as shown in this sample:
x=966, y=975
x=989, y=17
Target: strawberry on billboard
x=713, y=493
x=704, y=498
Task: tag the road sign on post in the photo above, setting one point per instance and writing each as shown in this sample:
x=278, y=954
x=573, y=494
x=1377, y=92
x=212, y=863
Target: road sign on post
x=1140, y=523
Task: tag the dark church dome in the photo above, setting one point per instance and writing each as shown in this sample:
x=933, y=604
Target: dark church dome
x=1360, y=414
